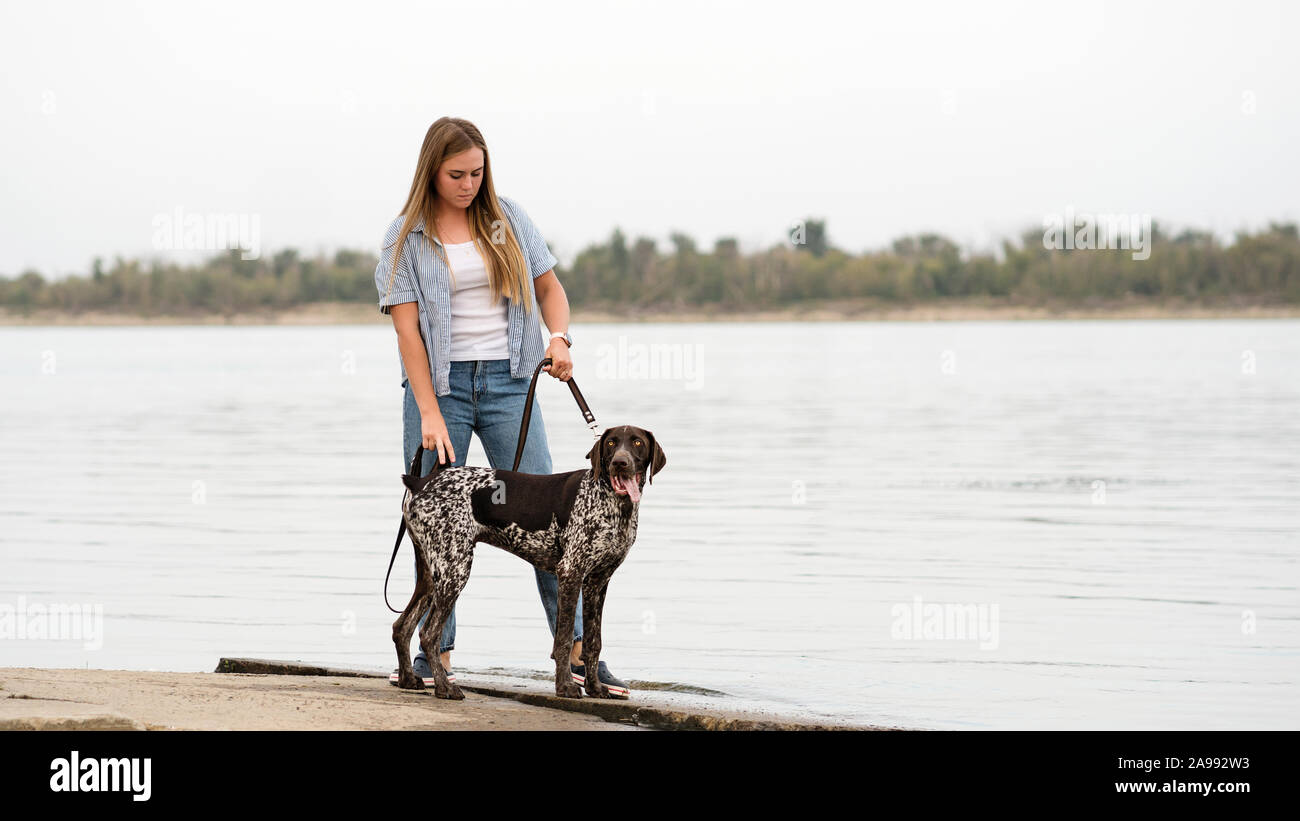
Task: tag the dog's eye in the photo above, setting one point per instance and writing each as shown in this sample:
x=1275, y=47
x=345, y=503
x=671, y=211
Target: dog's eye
x=637, y=443
x=609, y=443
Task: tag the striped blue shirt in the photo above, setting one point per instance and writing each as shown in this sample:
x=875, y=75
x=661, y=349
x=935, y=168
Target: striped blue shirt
x=422, y=276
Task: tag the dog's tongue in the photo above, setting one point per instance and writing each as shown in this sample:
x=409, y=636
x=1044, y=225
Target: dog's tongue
x=629, y=485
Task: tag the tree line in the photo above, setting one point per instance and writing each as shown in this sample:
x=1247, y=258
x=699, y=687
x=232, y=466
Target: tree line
x=638, y=275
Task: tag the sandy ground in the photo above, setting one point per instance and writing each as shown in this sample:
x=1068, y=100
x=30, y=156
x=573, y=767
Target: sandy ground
x=344, y=313
x=32, y=698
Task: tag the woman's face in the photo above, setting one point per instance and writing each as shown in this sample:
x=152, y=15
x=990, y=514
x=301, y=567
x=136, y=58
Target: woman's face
x=458, y=179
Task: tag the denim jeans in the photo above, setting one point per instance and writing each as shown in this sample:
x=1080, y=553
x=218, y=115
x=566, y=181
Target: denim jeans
x=485, y=399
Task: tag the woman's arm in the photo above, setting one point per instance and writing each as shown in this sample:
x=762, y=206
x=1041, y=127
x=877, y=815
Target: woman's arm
x=554, y=305
x=433, y=430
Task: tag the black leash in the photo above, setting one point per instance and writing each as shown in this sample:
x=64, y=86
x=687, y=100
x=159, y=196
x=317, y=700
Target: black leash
x=587, y=415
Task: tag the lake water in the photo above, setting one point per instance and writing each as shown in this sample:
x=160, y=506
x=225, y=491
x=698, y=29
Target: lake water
x=1077, y=524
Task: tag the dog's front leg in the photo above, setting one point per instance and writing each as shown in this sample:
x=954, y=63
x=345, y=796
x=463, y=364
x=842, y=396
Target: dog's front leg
x=570, y=584
x=593, y=604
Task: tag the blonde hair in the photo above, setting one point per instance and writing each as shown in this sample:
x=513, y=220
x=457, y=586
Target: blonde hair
x=507, y=270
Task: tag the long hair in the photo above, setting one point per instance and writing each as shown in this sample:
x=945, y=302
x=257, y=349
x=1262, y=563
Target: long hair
x=507, y=270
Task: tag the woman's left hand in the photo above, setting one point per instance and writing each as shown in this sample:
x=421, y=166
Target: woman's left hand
x=561, y=366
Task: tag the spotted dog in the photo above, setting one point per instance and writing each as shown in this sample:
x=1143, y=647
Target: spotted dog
x=578, y=525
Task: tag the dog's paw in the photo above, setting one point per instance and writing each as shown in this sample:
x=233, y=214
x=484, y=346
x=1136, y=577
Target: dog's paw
x=410, y=681
x=597, y=690
x=567, y=689
x=452, y=692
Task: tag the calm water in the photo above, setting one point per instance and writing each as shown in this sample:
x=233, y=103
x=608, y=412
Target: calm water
x=1112, y=508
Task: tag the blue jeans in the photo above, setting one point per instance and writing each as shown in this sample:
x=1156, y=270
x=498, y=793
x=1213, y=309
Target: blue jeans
x=485, y=399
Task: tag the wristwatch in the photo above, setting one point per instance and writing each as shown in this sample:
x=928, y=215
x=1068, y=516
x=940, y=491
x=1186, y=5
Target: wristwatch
x=568, y=340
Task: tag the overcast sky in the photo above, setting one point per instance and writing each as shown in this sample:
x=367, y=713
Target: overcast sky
x=975, y=119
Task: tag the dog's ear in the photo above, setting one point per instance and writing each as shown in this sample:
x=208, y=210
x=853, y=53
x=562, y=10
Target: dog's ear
x=657, y=458
x=597, y=455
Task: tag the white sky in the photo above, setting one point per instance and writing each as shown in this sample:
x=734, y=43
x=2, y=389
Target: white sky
x=975, y=119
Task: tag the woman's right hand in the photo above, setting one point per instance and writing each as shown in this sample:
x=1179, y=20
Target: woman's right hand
x=434, y=432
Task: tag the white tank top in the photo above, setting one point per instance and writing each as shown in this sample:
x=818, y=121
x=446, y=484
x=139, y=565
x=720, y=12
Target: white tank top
x=479, y=326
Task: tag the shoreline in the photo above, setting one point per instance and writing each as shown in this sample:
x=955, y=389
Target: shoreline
x=263, y=694
x=351, y=313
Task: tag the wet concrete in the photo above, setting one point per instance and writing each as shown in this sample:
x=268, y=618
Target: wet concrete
x=667, y=707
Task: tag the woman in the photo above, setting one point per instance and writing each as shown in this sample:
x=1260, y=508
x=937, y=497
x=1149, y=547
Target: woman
x=459, y=272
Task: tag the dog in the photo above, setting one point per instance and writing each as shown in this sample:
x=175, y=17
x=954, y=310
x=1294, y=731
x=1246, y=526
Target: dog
x=578, y=525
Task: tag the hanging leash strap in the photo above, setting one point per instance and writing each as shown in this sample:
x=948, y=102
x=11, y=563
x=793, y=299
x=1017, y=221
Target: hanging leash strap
x=587, y=416
x=401, y=528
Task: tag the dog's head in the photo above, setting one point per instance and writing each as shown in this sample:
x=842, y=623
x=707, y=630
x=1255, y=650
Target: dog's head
x=626, y=459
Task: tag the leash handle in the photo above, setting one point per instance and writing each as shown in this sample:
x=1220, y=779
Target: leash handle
x=587, y=415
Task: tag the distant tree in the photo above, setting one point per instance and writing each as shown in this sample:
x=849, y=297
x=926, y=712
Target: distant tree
x=1263, y=267
x=347, y=259
x=282, y=262
x=27, y=290
x=619, y=261
x=683, y=245
x=1194, y=237
x=814, y=238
